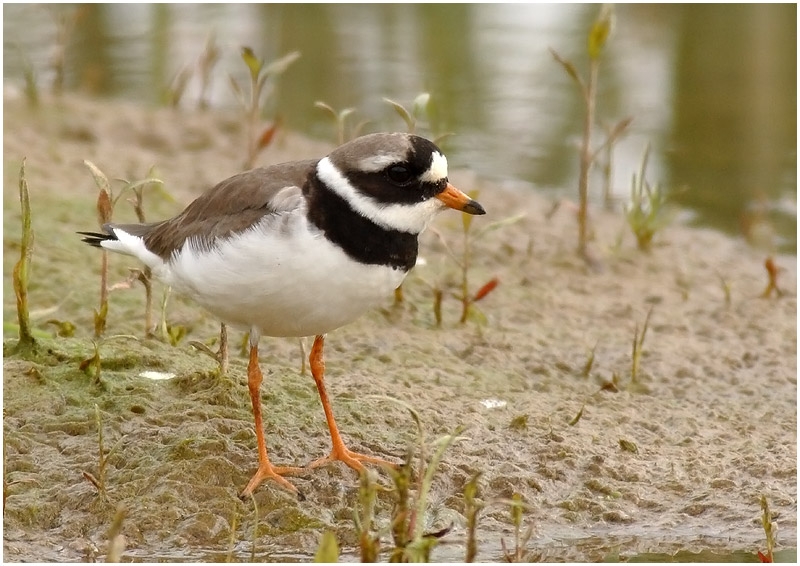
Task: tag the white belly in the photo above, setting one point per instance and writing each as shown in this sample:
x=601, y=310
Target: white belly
x=289, y=282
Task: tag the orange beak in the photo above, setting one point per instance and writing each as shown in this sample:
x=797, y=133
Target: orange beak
x=457, y=200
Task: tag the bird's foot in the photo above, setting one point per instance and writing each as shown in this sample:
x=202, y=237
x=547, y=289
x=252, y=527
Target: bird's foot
x=352, y=459
x=267, y=471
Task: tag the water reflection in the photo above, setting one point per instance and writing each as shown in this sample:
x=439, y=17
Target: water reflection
x=712, y=88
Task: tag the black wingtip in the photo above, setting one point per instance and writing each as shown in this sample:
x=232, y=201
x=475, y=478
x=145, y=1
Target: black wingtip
x=96, y=239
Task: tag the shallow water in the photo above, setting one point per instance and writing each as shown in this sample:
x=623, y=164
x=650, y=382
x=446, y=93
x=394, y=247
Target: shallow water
x=712, y=88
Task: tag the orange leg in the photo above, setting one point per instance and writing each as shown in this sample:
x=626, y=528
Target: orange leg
x=339, y=451
x=265, y=469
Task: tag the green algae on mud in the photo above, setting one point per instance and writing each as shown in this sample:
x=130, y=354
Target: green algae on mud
x=713, y=423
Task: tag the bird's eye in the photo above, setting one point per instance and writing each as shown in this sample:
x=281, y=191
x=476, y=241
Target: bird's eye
x=399, y=174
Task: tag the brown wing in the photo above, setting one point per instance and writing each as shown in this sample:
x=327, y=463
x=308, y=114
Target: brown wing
x=231, y=206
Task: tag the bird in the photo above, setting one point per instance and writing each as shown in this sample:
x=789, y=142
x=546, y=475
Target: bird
x=300, y=249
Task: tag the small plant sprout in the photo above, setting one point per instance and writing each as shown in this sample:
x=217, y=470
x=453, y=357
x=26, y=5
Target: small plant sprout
x=94, y=363
x=369, y=539
x=411, y=542
x=587, y=367
x=770, y=531
x=177, y=87
x=772, y=275
x=31, y=80
x=261, y=77
x=340, y=118
x=726, y=288
x=21, y=274
x=577, y=416
x=144, y=276
x=419, y=109
x=106, y=202
x=464, y=261
x=472, y=508
x=99, y=481
x=646, y=212
x=105, y=209
x=521, y=538
x=328, y=550
x=638, y=343
x=205, y=67
x=600, y=32
x=116, y=540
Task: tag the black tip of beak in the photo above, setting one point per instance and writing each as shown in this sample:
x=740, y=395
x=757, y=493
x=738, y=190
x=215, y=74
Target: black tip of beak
x=473, y=207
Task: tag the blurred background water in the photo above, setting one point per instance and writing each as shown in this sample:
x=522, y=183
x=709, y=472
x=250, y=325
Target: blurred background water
x=712, y=88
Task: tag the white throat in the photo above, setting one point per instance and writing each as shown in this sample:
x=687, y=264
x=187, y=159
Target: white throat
x=411, y=218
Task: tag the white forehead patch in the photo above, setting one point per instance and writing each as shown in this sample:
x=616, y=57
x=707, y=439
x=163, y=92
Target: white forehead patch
x=411, y=218
x=438, y=169
x=376, y=163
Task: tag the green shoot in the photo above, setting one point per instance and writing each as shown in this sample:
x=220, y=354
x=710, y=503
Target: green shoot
x=463, y=261
x=587, y=367
x=599, y=34
x=31, y=81
x=65, y=19
x=177, y=87
x=369, y=540
x=328, y=551
x=261, y=76
x=521, y=539
x=473, y=507
x=21, y=274
x=232, y=539
x=772, y=283
x=208, y=60
x=770, y=529
x=340, y=118
x=726, y=288
x=99, y=481
x=116, y=541
x=94, y=363
x=578, y=416
x=419, y=109
x=646, y=212
x=638, y=343
x=105, y=210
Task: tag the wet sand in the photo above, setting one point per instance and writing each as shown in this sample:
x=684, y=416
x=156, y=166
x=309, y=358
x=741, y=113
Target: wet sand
x=676, y=460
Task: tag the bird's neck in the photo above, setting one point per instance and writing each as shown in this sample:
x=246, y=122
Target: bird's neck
x=357, y=236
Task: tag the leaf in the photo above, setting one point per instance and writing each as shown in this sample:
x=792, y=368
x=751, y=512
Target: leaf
x=486, y=289
x=104, y=199
x=601, y=30
x=99, y=177
x=279, y=66
x=252, y=62
x=90, y=362
x=321, y=105
x=237, y=90
x=577, y=417
x=144, y=182
x=568, y=67
x=100, y=319
x=420, y=105
x=64, y=328
x=268, y=135
x=401, y=110
x=328, y=551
